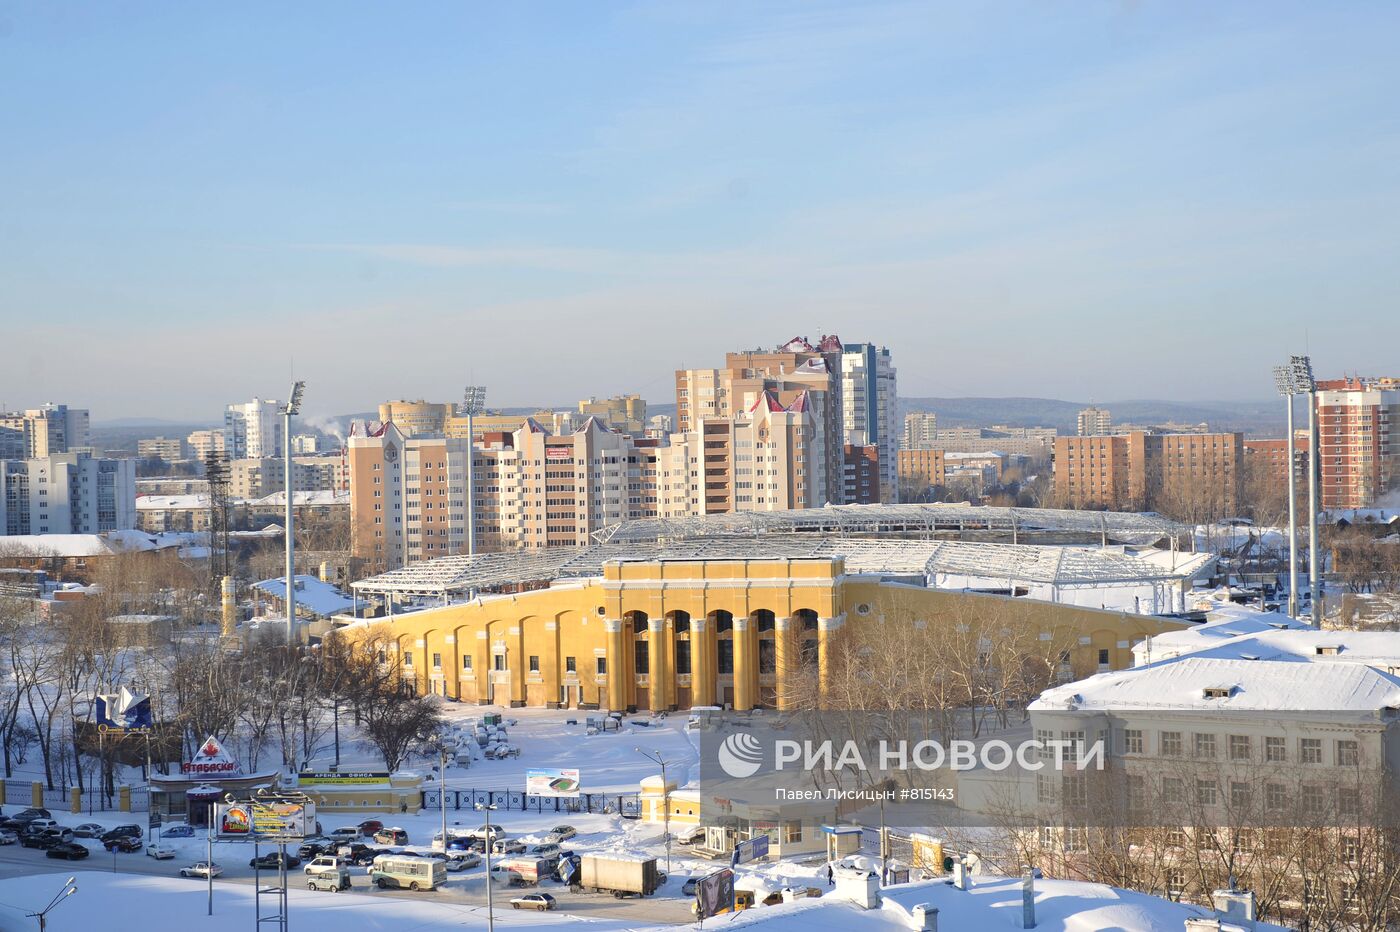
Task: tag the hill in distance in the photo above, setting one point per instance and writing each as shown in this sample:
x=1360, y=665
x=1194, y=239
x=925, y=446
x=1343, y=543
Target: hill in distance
x=1258, y=418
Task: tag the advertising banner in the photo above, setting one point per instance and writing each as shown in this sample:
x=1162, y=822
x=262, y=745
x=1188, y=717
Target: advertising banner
x=714, y=894
x=343, y=777
x=751, y=850
x=265, y=820
x=554, y=783
x=123, y=711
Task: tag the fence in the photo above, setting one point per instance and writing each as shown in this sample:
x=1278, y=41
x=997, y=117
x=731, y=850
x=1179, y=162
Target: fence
x=19, y=794
x=625, y=803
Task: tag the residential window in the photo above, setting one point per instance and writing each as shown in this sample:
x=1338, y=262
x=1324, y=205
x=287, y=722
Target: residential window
x=437, y=661
x=1173, y=790
x=1206, y=792
x=1310, y=750
x=467, y=662
x=767, y=657
x=1275, y=750
x=1132, y=741
x=1176, y=882
x=1239, y=796
x=642, y=654
x=1240, y=748
x=1171, y=744
x=408, y=658
x=499, y=661
x=1312, y=799
x=1275, y=796
x=1348, y=753
x=1137, y=791
x=1204, y=746
x=534, y=663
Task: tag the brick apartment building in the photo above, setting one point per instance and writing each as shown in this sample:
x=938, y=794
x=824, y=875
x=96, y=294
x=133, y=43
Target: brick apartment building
x=1190, y=475
x=1358, y=426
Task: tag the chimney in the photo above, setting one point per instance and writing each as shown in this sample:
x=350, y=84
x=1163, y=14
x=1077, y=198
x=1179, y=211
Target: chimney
x=1027, y=898
x=229, y=608
x=1235, y=905
x=325, y=571
x=1202, y=925
x=960, y=881
x=925, y=918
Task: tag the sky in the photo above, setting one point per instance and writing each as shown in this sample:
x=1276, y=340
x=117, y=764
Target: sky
x=1075, y=200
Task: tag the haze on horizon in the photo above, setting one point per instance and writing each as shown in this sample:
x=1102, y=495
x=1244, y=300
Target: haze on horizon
x=1082, y=201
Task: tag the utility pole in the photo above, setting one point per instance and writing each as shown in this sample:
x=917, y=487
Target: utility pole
x=69, y=888
x=490, y=840
x=665, y=801
x=293, y=407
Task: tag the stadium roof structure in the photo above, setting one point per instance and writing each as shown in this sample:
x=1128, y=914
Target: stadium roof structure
x=1061, y=567
x=902, y=520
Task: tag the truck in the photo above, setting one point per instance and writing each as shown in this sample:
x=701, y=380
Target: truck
x=619, y=875
x=531, y=870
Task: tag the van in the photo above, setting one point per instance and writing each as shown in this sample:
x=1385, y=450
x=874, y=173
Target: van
x=408, y=873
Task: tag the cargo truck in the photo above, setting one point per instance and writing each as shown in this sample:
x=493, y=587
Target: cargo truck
x=619, y=875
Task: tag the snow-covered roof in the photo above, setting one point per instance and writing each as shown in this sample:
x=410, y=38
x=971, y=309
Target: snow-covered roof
x=1059, y=566
x=307, y=498
x=313, y=595
x=200, y=501
x=193, y=502
x=87, y=545
x=991, y=903
x=1223, y=623
x=1251, y=685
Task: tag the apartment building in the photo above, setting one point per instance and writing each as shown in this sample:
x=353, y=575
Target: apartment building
x=426, y=418
x=67, y=493
x=1185, y=474
x=1017, y=441
x=849, y=388
x=625, y=413
x=1358, y=427
x=921, y=469
x=169, y=449
x=408, y=497
x=253, y=430
x=1094, y=422
x=202, y=442
x=920, y=430
x=306, y=443
x=42, y=431
x=256, y=478
x=1271, y=455
x=770, y=457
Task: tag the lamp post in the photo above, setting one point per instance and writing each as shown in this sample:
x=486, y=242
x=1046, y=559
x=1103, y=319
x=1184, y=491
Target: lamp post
x=490, y=840
x=1284, y=379
x=473, y=402
x=69, y=888
x=665, y=801
x=293, y=407
x=1303, y=376
x=439, y=744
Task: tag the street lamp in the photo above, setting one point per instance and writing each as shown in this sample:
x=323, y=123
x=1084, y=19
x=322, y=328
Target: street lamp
x=473, y=402
x=665, y=800
x=439, y=744
x=490, y=840
x=293, y=407
x=69, y=888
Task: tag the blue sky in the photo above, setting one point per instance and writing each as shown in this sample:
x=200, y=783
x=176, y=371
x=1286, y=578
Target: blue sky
x=1075, y=200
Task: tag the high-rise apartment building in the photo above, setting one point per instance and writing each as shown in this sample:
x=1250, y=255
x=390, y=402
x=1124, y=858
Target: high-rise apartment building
x=43, y=431
x=1185, y=475
x=306, y=443
x=1358, y=427
x=67, y=493
x=253, y=430
x=168, y=449
x=920, y=430
x=1095, y=422
x=202, y=442
x=408, y=496
x=626, y=413
x=869, y=401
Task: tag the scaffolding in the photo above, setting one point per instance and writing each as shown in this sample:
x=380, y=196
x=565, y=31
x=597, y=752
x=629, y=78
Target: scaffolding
x=913, y=520
x=918, y=561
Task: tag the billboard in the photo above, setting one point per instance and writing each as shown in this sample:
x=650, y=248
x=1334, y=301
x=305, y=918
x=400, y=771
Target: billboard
x=751, y=850
x=211, y=760
x=344, y=777
x=714, y=894
x=123, y=711
x=548, y=782
x=265, y=819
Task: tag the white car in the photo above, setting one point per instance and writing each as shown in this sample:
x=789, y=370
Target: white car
x=8, y=837
x=203, y=869
x=560, y=833
x=540, y=901
x=160, y=852
x=460, y=864
x=345, y=833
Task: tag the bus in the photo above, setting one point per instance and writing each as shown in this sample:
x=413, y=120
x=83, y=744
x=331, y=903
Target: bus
x=404, y=872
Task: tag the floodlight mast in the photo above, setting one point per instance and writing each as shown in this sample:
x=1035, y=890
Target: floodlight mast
x=1284, y=379
x=473, y=402
x=293, y=407
x=1303, y=378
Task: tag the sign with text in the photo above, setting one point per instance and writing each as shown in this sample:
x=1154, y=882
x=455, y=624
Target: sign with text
x=343, y=777
x=211, y=760
x=265, y=819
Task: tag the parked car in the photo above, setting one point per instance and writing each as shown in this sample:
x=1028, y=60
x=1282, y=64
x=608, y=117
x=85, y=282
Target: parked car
x=36, y=826
x=177, y=831
x=369, y=827
x=540, y=901
x=462, y=861
x=561, y=833
x=22, y=818
x=8, y=836
x=508, y=846
x=690, y=835
x=390, y=836
x=356, y=853
x=88, y=830
x=160, y=852
x=68, y=850
x=123, y=831
x=544, y=851
x=688, y=889
x=465, y=845
x=345, y=833
x=125, y=845
x=41, y=840
x=311, y=847
x=273, y=861
x=203, y=869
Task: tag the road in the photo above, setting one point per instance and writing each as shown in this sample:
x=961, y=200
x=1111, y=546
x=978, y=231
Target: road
x=467, y=887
